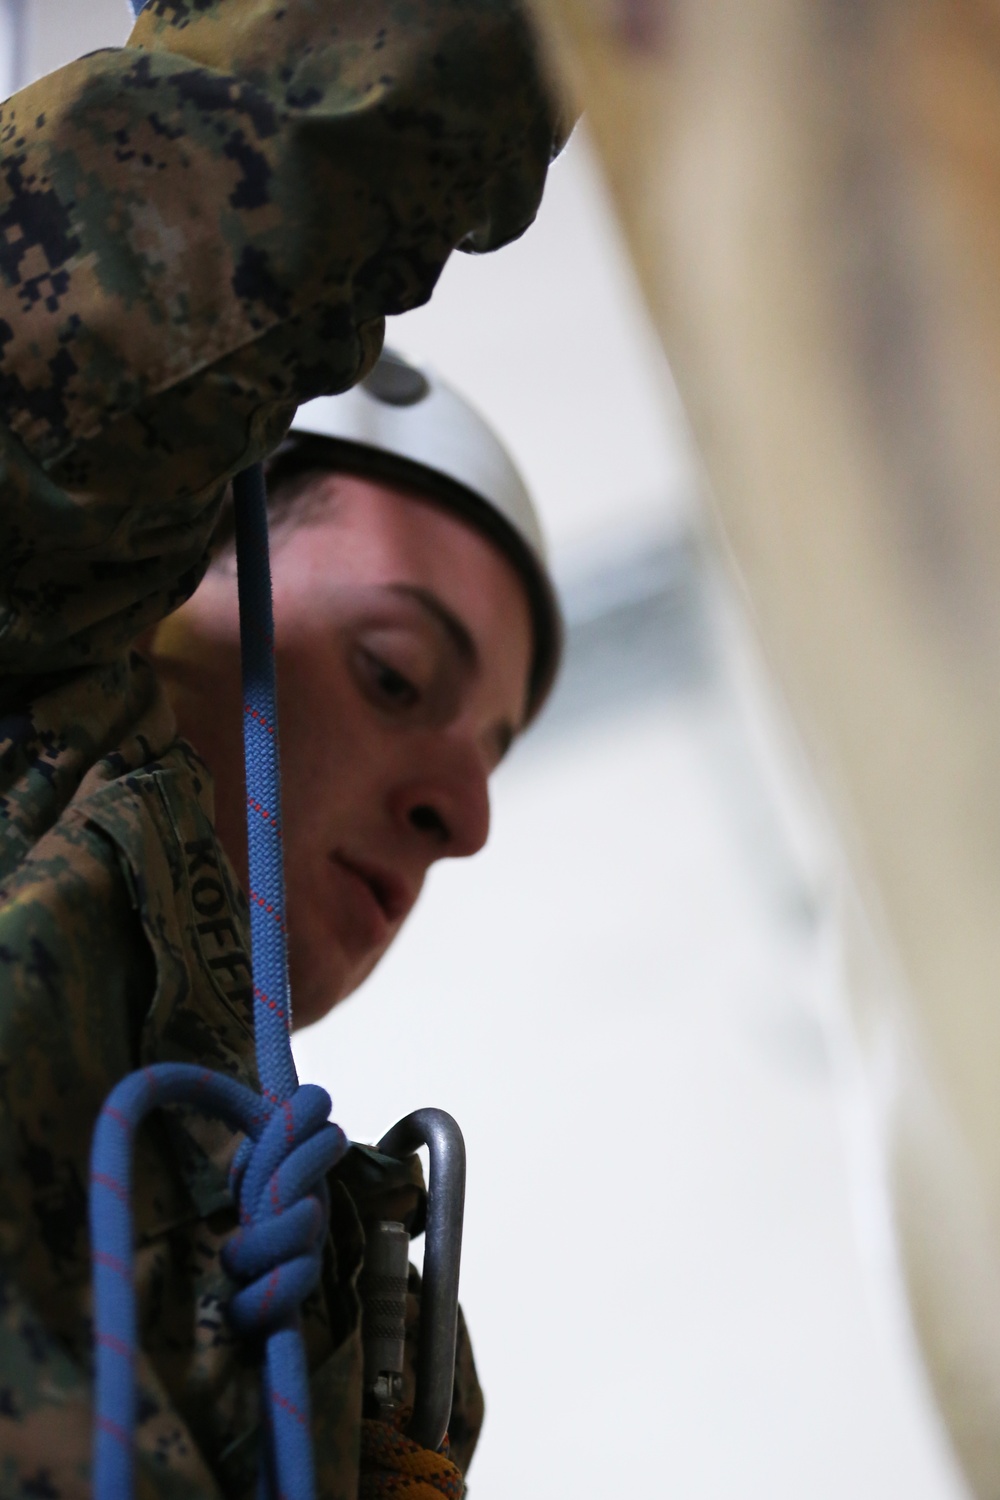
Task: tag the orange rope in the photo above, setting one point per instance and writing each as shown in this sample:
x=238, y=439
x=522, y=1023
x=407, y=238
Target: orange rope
x=393, y=1465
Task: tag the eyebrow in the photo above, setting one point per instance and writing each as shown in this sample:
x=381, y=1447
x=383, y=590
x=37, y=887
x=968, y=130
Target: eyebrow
x=453, y=627
x=504, y=732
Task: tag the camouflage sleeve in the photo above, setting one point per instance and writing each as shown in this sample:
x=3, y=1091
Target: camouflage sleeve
x=198, y=231
x=68, y=1031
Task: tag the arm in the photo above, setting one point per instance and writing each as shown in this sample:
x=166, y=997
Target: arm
x=199, y=231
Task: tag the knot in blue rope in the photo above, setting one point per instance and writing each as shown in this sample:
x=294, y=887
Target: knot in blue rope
x=280, y=1185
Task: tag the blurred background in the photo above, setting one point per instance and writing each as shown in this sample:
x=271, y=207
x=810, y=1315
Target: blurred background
x=682, y=1264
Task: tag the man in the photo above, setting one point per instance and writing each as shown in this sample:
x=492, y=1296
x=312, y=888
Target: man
x=200, y=231
x=416, y=633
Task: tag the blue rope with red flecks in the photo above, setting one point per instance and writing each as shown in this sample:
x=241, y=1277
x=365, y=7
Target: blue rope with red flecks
x=279, y=1175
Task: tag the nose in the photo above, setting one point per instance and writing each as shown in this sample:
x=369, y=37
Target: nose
x=448, y=809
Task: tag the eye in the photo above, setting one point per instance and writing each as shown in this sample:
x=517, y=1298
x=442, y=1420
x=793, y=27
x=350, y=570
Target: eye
x=388, y=684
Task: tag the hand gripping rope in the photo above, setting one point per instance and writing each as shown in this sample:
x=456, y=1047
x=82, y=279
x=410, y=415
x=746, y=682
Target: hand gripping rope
x=279, y=1172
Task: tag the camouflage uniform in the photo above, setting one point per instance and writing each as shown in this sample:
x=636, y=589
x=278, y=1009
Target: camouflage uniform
x=197, y=232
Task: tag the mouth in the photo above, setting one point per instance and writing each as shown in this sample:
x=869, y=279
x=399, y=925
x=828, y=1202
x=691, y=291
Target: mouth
x=391, y=894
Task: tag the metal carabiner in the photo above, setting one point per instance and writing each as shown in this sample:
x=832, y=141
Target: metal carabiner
x=383, y=1282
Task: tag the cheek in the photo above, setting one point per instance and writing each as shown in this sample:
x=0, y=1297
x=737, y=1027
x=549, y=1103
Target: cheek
x=319, y=729
x=329, y=953
x=330, y=751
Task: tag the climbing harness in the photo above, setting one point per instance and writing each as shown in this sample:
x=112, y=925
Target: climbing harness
x=279, y=1172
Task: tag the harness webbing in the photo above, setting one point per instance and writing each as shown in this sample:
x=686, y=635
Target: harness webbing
x=280, y=1169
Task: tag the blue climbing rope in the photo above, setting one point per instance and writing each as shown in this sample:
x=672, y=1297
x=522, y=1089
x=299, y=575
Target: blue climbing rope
x=279, y=1174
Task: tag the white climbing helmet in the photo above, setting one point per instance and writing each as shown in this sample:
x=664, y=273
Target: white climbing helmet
x=405, y=424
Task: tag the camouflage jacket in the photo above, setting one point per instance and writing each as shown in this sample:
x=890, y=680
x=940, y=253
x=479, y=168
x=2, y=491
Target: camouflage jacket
x=197, y=231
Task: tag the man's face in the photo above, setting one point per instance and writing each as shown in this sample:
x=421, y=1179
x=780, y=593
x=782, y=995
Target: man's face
x=404, y=644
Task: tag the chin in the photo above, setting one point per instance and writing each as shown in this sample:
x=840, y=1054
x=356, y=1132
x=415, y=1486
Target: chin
x=312, y=1001
x=317, y=987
